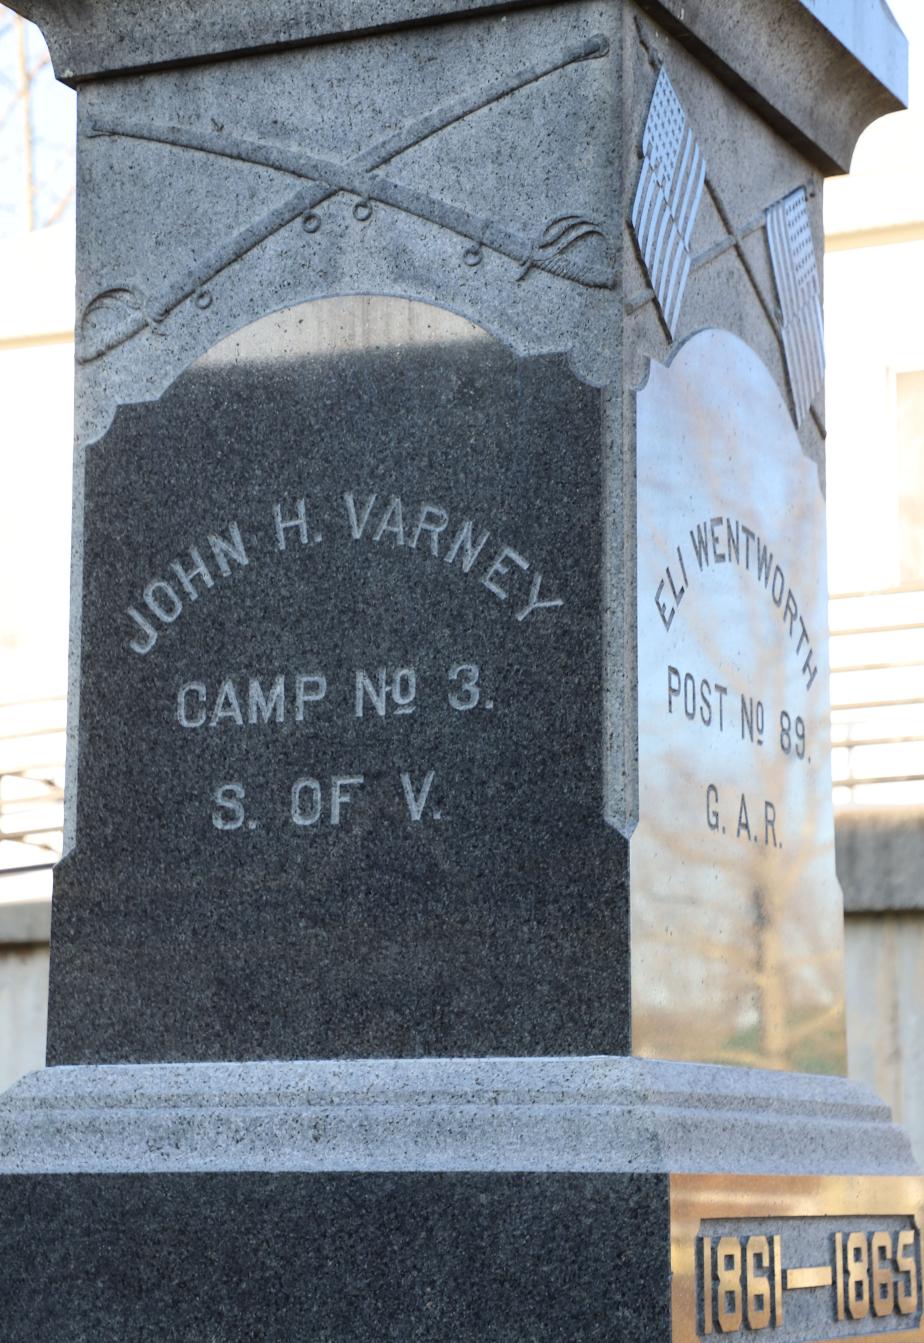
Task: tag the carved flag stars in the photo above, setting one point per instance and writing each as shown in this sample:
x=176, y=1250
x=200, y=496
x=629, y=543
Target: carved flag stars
x=667, y=199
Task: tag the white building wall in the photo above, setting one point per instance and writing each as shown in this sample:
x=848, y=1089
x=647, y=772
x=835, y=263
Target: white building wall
x=874, y=283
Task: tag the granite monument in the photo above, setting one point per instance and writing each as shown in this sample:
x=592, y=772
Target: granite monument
x=447, y=943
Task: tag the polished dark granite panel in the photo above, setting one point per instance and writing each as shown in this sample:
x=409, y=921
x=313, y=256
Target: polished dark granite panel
x=438, y=1257
x=227, y=897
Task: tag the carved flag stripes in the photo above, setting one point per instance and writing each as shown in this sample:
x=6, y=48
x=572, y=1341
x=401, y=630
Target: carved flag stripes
x=792, y=254
x=667, y=199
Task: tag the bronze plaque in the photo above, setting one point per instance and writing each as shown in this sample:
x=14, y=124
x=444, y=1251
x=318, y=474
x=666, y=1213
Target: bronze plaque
x=796, y=1259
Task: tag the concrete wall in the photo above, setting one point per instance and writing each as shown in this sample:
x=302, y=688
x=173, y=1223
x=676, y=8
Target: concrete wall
x=24, y=929
x=885, y=1012
x=880, y=862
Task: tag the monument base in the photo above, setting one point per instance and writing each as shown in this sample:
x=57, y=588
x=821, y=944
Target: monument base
x=507, y=1199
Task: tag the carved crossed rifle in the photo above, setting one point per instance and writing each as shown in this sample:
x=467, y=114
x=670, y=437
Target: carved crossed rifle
x=552, y=251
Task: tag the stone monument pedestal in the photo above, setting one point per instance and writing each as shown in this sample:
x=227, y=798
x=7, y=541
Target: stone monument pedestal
x=490, y=1198
x=447, y=944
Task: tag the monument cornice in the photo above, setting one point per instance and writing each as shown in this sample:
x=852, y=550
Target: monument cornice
x=859, y=56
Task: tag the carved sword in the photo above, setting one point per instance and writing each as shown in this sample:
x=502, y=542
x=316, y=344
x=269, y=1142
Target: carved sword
x=306, y=199
x=548, y=253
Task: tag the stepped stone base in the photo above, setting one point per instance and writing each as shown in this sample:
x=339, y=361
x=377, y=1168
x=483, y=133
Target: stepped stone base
x=460, y=1199
x=498, y=1114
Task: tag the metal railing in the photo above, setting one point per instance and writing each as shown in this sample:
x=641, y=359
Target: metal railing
x=32, y=738
x=877, y=697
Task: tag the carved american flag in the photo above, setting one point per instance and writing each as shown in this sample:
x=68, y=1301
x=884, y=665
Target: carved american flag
x=792, y=253
x=667, y=198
